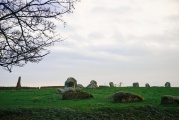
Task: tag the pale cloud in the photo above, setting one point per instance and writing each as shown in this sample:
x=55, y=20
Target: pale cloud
x=119, y=40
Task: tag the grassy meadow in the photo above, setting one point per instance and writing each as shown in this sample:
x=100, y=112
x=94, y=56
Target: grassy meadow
x=47, y=104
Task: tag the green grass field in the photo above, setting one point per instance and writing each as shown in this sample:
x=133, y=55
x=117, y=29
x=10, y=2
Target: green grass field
x=47, y=104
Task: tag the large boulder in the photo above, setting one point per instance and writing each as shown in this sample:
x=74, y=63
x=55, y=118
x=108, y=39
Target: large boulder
x=167, y=84
x=71, y=82
x=169, y=99
x=76, y=95
x=111, y=84
x=70, y=85
x=93, y=84
x=121, y=97
x=136, y=84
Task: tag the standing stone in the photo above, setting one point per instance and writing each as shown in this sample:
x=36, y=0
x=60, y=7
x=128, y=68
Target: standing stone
x=80, y=86
x=111, y=84
x=93, y=84
x=70, y=86
x=120, y=84
x=18, y=86
x=71, y=82
x=147, y=85
x=167, y=84
x=136, y=84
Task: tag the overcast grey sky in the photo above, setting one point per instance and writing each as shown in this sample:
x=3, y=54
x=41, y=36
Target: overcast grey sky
x=110, y=41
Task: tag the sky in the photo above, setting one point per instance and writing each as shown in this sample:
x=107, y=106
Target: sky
x=110, y=41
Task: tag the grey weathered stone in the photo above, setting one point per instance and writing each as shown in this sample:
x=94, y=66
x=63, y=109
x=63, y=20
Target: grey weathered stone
x=93, y=84
x=167, y=84
x=66, y=89
x=126, y=97
x=18, y=86
x=136, y=84
x=76, y=95
x=147, y=85
x=169, y=99
x=111, y=84
x=70, y=85
x=80, y=86
x=71, y=82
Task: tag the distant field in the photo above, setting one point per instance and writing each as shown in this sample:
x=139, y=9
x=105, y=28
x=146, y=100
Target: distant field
x=37, y=103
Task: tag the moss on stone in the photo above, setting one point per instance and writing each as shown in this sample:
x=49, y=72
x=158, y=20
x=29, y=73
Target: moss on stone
x=126, y=97
x=76, y=95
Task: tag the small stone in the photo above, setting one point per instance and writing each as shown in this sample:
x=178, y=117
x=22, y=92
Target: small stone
x=136, y=84
x=76, y=95
x=167, y=84
x=111, y=84
x=147, y=85
x=93, y=84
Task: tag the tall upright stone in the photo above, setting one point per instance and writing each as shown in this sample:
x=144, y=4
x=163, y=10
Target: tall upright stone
x=147, y=85
x=167, y=84
x=136, y=84
x=18, y=86
x=71, y=82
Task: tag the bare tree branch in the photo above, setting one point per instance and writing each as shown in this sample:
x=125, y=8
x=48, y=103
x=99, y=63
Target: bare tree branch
x=26, y=30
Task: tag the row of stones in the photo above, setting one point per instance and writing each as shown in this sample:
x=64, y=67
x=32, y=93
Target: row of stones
x=136, y=84
x=72, y=83
x=72, y=91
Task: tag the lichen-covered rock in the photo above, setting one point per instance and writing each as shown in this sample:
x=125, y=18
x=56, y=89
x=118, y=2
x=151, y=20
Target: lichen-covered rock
x=76, y=95
x=136, y=84
x=111, y=84
x=70, y=85
x=169, y=99
x=147, y=85
x=71, y=82
x=60, y=91
x=167, y=84
x=93, y=84
x=66, y=89
x=126, y=97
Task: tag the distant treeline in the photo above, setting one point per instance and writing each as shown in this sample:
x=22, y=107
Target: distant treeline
x=42, y=87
